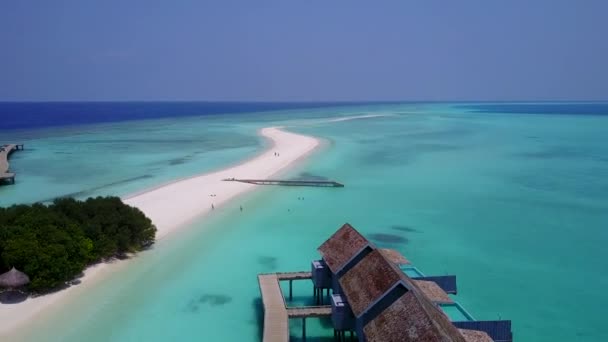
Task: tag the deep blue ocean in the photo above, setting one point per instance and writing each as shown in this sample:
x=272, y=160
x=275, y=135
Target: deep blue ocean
x=28, y=115
x=24, y=115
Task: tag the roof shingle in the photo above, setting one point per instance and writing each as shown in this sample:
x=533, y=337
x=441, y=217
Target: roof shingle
x=368, y=280
x=475, y=336
x=409, y=319
x=394, y=256
x=432, y=291
x=341, y=247
x=413, y=317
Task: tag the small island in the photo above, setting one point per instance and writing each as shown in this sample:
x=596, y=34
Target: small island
x=53, y=244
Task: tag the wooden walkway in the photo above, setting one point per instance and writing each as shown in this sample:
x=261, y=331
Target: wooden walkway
x=314, y=183
x=276, y=312
x=5, y=151
x=309, y=311
x=294, y=275
x=276, y=321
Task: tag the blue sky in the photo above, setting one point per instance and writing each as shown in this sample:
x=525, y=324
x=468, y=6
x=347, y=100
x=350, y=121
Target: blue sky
x=304, y=50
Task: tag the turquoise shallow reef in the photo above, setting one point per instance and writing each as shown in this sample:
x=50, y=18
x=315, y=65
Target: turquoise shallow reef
x=512, y=198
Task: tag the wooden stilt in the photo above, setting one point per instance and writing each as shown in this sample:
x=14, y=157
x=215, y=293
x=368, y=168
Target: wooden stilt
x=290, y=289
x=304, y=328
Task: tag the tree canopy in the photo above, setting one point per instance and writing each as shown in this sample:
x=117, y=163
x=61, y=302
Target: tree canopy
x=54, y=243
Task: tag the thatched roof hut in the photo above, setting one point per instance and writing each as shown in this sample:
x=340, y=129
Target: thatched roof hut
x=409, y=319
x=475, y=336
x=14, y=278
x=413, y=316
x=394, y=256
x=368, y=280
x=341, y=247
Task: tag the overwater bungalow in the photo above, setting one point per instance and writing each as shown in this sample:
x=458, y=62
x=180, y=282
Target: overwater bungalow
x=373, y=299
x=378, y=293
x=411, y=318
x=345, y=248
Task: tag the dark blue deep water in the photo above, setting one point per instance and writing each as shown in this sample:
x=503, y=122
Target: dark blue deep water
x=21, y=115
x=28, y=115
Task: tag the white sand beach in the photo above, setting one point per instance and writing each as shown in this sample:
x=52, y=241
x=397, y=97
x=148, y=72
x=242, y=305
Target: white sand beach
x=172, y=206
x=180, y=202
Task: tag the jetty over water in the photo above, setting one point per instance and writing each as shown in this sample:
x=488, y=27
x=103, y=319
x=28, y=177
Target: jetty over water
x=5, y=151
x=276, y=312
x=314, y=183
x=276, y=323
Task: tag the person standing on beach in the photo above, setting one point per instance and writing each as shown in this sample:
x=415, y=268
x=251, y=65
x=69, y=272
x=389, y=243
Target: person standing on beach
x=212, y=206
x=241, y=207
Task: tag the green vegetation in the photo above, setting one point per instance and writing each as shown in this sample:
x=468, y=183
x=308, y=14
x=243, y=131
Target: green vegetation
x=53, y=244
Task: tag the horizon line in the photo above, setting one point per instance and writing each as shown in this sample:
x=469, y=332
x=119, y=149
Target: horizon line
x=303, y=101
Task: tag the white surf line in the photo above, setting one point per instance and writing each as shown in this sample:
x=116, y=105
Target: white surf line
x=357, y=117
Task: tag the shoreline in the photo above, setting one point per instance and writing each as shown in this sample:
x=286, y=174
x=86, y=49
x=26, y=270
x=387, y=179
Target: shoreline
x=172, y=206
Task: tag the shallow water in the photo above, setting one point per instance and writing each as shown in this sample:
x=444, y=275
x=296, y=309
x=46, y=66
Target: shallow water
x=510, y=203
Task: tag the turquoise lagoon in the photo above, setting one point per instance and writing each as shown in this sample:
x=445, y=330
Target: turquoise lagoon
x=514, y=204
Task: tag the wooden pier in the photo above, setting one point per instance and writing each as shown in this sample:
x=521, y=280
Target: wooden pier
x=276, y=312
x=313, y=183
x=5, y=151
x=276, y=321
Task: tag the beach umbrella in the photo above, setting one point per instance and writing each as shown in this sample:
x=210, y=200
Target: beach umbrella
x=14, y=278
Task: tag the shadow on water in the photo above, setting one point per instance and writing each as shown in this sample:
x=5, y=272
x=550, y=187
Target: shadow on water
x=180, y=160
x=402, y=228
x=309, y=176
x=207, y=299
x=268, y=262
x=391, y=239
x=258, y=309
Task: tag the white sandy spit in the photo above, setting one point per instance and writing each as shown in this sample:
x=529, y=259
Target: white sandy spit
x=180, y=202
x=169, y=207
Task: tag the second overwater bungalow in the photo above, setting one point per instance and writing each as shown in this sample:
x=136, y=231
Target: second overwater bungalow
x=345, y=248
x=375, y=290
